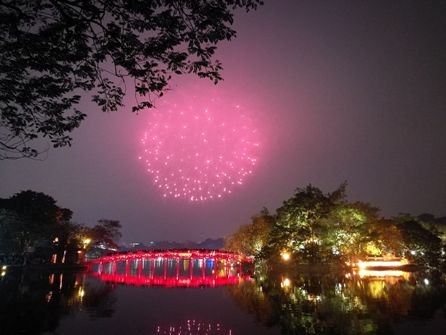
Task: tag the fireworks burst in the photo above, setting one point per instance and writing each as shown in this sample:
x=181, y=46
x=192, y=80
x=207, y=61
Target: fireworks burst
x=199, y=150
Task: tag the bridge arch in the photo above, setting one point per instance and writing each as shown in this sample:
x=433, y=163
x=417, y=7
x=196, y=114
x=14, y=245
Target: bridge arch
x=172, y=268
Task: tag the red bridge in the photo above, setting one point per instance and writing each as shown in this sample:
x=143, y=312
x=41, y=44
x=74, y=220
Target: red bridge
x=172, y=268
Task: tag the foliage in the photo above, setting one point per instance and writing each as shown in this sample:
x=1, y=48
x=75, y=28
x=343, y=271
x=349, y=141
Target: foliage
x=251, y=238
x=31, y=218
x=51, y=51
x=344, y=235
x=302, y=221
x=384, y=237
x=314, y=227
x=419, y=243
x=106, y=232
x=435, y=224
x=9, y=223
x=33, y=225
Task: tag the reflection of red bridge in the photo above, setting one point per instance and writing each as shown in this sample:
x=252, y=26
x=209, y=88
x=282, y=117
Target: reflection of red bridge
x=172, y=268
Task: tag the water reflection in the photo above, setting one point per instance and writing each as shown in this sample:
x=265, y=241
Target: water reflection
x=193, y=327
x=289, y=302
x=33, y=302
x=367, y=302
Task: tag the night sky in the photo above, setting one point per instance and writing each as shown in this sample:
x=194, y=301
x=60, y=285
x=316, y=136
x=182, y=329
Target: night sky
x=336, y=90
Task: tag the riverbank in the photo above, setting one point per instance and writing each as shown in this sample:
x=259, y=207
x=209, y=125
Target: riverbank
x=47, y=267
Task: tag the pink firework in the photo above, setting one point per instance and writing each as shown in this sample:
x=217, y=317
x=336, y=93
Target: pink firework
x=200, y=149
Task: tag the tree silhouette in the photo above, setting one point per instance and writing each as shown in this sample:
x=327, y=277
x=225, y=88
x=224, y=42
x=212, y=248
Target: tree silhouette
x=30, y=218
x=52, y=50
x=106, y=232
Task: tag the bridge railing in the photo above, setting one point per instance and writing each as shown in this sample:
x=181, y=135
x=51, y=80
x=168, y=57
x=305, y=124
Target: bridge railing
x=171, y=267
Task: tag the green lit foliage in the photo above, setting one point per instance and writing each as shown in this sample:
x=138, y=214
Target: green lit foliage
x=345, y=231
x=51, y=51
x=315, y=227
x=301, y=223
x=372, y=249
x=384, y=238
x=358, y=231
x=250, y=239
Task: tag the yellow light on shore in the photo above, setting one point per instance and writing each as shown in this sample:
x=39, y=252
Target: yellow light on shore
x=86, y=242
x=285, y=255
x=383, y=273
x=285, y=283
x=382, y=263
x=81, y=293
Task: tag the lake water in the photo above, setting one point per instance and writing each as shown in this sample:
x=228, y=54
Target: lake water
x=283, y=303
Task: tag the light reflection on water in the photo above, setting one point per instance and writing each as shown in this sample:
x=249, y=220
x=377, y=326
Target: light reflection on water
x=365, y=302
x=193, y=327
x=282, y=303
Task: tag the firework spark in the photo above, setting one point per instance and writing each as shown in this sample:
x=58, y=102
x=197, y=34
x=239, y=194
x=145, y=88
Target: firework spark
x=199, y=150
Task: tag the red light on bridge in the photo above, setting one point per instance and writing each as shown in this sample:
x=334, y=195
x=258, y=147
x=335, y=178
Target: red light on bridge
x=172, y=268
x=212, y=281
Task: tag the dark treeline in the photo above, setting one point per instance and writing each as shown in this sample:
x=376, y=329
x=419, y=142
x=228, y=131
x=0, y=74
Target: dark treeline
x=317, y=227
x=34, y=229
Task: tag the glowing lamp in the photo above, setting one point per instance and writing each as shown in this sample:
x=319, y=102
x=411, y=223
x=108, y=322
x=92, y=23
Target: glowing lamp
x=285, y=283
x=382, y=263
x=81, y=293
x=383, y=273
x=285, y=255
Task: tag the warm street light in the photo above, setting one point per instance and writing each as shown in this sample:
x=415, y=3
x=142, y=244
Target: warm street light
x=86, y=242
x=285, y=283
x=285, y=255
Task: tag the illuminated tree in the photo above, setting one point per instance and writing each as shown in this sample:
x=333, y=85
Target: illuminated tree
x=50, y=51
x=356, y=230
x=302, y=222
x=383, y=238
x=250, y=239
x=345, y=232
